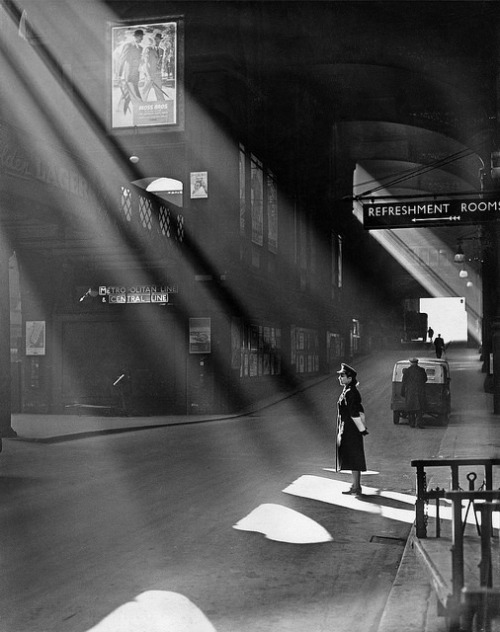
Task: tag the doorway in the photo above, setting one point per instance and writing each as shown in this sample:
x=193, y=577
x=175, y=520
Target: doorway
x=447, y=316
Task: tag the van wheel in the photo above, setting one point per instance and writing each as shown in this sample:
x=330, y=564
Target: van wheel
x=395, y=416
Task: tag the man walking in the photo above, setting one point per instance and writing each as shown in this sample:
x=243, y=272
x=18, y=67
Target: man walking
x=439, y=345
x=413, y=390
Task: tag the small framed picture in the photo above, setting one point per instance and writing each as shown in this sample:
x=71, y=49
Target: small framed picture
x=199, y=184
x=35, y=337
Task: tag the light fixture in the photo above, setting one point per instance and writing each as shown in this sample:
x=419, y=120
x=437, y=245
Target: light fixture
x=469, y=284
x=463, y=274
x=134, y=159
x=479, y=246
x=459, y=255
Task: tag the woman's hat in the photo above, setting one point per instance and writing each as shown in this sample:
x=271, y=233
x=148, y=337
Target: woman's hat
x=348, y=370
x=414, y=360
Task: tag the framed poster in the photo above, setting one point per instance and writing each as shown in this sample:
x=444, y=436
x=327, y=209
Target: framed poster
x=199, y=184
x=200, y=335
x=35, y=337
x=146, y=74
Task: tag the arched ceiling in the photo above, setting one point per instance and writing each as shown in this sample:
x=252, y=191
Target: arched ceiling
x=409, y=86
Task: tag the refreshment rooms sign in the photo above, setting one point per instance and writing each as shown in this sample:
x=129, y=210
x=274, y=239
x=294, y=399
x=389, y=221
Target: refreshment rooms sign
x=426, y=214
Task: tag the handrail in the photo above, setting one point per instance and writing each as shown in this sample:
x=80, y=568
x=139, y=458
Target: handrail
x=490, y=501
x=424, y=495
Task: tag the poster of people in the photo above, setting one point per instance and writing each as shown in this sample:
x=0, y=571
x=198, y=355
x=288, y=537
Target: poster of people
x=35, y=337
x=144, y=83
x=199, y=184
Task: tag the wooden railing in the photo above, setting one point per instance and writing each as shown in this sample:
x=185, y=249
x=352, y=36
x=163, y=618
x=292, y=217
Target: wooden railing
x=456, y=467
x=476, y=605
x=472, y=602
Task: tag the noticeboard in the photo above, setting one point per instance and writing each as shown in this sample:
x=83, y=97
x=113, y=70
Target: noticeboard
x=35, y=337
x=200, y=335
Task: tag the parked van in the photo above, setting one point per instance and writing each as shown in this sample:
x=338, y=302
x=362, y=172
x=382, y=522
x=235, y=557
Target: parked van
x=437, y=389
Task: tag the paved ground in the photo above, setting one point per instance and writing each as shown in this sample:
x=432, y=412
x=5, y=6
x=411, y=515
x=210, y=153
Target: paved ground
x=473, y=431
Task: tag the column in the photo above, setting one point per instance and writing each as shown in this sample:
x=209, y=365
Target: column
x=5, y=376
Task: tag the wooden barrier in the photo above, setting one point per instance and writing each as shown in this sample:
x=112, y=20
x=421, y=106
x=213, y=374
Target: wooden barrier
x=462, y=560
x=425, y=495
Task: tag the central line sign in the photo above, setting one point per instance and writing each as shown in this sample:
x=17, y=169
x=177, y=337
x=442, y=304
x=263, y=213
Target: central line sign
x=426, y=214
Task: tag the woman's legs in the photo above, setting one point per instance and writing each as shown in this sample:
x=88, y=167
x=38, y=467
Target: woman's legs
x=356, y=483
x=356, y=480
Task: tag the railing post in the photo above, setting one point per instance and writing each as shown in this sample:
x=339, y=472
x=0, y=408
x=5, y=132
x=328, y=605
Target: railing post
x=457, y=547
x=488, y=475
x=420, y=524
x=485, y=571
x=455, y=479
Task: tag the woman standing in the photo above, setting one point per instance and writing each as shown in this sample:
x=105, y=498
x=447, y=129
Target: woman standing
x=350, y=428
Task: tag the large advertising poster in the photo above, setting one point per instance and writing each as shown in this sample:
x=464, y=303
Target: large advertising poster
x=145, y=74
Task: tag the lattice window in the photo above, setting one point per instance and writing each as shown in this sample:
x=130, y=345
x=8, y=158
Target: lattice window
x=146, y=212
x=126, y=203
x=165, y=222
x=180, y=227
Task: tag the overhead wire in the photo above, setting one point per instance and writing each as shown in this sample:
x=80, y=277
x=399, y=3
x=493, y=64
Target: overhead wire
x=413, y=173
x=398, y=178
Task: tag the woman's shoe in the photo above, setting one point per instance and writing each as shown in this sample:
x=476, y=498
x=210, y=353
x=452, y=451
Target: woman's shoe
x=355, y=491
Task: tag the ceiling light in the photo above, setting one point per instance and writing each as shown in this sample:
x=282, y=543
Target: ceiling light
x=459, y=255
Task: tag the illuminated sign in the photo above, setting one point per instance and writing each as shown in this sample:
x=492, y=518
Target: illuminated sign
x=427, y=214
x=136, y=295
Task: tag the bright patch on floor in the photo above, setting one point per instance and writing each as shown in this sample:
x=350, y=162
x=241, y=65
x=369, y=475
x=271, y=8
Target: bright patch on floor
x=283, y=524
x=330, y=491
x=156, y=611
x=373, y=500
x=367, y=473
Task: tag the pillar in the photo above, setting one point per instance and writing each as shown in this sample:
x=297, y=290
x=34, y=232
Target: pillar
x=5, y=376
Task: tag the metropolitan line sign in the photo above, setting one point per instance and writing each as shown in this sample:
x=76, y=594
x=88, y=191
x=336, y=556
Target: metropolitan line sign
x=427, y=214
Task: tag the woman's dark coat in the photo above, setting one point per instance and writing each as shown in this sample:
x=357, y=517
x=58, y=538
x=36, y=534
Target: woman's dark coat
x=350, y=447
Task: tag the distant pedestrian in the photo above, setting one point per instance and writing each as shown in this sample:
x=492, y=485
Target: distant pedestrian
x=413, y=390
x=439, y=345
x=430, y=333
x=351, y=429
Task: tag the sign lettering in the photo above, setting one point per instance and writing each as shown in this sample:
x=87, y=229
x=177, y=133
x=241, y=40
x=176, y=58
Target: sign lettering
x=426, y=214
x=121, y=294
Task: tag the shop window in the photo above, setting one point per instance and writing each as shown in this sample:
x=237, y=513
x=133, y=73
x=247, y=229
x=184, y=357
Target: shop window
x=272, y=213
x=305, y=350
x=243, y=188
x=255, y=349
x=336, y=271
x=257, y=201
x=334, y=349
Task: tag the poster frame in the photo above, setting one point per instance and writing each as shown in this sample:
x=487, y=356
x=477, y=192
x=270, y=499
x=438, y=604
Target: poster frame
x=149, y=26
